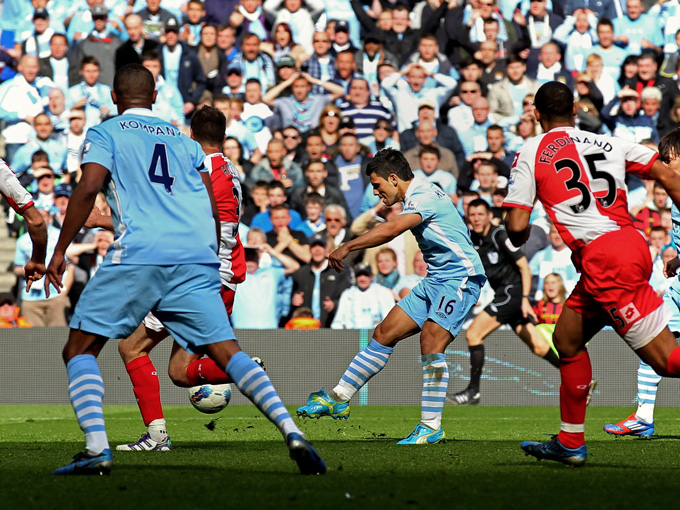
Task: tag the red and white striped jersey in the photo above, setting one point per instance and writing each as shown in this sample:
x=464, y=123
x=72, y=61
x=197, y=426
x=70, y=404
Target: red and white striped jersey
x=579, y=177
x=227, y=190
x=15, y=194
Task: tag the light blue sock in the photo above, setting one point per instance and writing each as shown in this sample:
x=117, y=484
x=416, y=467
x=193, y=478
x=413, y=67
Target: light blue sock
x=365, y=365
x=648, y=384
x=435, y=383
x=86, y=391
x=254, y=383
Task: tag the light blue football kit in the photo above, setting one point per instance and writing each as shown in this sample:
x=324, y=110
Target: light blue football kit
x=163, y=260
x=455, y=276
x=159, y=207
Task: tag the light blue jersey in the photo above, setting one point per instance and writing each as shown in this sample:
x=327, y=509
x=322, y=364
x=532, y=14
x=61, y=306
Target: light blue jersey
x=672, y=295
x=157, y=198
x=442, y=236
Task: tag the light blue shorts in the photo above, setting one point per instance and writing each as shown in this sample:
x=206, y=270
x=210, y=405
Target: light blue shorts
x=185, y=298
x=446, y=302
x=672, y=298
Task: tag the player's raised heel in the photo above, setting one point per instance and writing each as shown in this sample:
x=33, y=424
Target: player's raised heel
x=631, y=426
x=320, y=404
x=553, y=450
x=308, y=459
x=467, y=397
x=146, y=444
x=85, y=464
x=424, y=435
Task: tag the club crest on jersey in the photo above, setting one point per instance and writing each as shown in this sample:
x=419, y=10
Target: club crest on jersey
x=493, y=257
x=412, y=205
x=86, y=148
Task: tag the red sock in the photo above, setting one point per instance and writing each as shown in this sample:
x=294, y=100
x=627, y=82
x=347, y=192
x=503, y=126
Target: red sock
x=146, y=387
x=576, y=375
x=673, y=363
x=206, y=371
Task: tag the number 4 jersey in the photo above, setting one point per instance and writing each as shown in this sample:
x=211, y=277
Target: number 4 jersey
x=160, y=207
x=579, y=177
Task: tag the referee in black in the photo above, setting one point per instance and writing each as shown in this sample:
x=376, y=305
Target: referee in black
x=507, y=270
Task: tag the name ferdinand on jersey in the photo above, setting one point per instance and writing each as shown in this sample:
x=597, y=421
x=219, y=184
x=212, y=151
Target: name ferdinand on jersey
x=153, y=130
x=551, y=149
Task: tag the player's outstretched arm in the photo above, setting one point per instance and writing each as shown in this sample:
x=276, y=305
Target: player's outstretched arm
x=517, y=225
x=37, y=230
x=380, y=234
x=79, y=208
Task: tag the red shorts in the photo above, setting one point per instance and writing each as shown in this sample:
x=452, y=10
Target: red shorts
x=227, y=298
x=615, y=272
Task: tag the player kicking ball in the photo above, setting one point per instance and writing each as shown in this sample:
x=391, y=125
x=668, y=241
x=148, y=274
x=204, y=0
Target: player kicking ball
x=208, y=125
x=579, y=177
x=436, y=307
x=158, y=189
x=641, y=422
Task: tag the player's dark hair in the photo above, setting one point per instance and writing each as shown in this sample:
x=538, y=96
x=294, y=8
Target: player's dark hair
x=389, y=161
x=134, y=81
x=669, y=146
x=208, y=126
x=554, y=100
x=480, y=202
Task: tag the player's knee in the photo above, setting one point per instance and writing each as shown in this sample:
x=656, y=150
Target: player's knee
x=178, y=375
x=378, y=334
x=473, y=339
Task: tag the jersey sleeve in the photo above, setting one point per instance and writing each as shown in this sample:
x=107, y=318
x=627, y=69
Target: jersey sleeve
x=522, y=182
x=420, y=203
x=504, y=245
x=98, y=148
x=639, y=159
x=17, y=197
x=198, y=156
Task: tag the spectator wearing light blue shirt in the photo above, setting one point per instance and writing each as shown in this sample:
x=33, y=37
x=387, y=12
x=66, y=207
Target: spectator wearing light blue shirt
x=637, y=31
x=90, y=94
x=405, y=89
x=430, y=171
x=37, y=308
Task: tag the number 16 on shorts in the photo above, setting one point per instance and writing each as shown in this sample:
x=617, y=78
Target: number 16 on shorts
x=446, y=307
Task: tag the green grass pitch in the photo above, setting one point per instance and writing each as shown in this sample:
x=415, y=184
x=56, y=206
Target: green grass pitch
x=242, y=462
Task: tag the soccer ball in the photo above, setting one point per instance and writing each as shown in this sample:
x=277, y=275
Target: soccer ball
x=210, y=398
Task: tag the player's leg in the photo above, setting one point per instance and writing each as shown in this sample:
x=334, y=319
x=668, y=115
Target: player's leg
x=572, y=332
x=446, y=306
x=530, y=335
x=134, y=351
x=641, y=422
x=86, y=392
x=482, y=326
x=367, y=363
x=186, y=370
x=195, y=316
x=112, y=306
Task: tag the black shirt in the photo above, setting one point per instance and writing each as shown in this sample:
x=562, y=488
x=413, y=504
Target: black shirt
x=498, y=256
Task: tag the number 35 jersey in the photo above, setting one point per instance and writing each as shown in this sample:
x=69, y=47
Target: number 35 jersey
x=160, y=206
x=579, y=177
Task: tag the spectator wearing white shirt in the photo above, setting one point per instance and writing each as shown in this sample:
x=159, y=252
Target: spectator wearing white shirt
x=405, y=89
x=365, y=304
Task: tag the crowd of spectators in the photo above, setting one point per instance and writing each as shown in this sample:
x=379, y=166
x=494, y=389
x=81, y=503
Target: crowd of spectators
x=311, y=90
